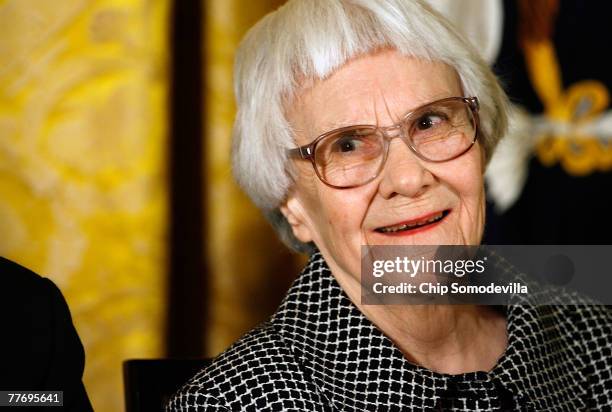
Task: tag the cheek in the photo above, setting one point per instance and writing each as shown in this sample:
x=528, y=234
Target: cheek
x=344, y=211
x=467, y=177
x=471, y=196
x=336, y=215
x=469, y=185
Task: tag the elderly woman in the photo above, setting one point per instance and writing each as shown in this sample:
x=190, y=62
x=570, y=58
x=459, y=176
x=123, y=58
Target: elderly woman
x=370, y=122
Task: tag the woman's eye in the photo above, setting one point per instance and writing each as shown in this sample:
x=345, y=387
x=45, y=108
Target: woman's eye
x=347, y=144
x=429, y=120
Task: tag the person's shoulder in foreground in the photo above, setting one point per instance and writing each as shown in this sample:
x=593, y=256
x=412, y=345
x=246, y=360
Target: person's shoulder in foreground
x=40, y=349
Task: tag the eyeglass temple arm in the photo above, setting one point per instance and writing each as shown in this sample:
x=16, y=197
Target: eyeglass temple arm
x=304, y=152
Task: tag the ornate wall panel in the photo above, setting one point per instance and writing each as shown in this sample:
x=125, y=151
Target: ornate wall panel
x=82, y=168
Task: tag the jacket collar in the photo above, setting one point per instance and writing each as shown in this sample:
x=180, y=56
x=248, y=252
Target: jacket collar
x=355, y=364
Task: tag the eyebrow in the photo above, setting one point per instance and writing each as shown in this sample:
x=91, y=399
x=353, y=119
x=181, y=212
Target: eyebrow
x=338, y=124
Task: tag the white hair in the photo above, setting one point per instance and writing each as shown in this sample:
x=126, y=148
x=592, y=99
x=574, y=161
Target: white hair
x=309, y=39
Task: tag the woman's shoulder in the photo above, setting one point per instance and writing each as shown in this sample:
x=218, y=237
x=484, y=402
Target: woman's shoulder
x=582, y=313
x=592, y=337
x=582, y=318
x=593, y=323
x=259, y=371
x=587, y=327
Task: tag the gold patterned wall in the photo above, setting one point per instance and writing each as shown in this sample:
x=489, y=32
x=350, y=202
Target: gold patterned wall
x=83, y=88
x=250, y=269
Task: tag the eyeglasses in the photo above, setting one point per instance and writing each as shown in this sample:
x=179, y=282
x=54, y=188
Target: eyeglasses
x=355, y=155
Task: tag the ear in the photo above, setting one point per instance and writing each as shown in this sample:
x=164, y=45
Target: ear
x=295, y=214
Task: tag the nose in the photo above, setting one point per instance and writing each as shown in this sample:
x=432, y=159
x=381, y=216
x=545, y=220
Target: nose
x=404, y=173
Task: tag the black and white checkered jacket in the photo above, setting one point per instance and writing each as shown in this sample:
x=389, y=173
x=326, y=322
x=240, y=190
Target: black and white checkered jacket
x=320, y=353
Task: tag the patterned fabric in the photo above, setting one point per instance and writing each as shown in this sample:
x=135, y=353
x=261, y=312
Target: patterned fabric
x=320, y=353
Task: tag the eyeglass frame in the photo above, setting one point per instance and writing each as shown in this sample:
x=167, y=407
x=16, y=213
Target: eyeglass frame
x=306, y=152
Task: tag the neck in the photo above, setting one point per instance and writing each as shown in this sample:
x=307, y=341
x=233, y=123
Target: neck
x=448, y=339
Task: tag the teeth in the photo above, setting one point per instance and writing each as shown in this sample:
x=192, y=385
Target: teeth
x=391, y=229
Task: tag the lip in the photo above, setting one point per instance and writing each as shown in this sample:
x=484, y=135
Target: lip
x=445, y=213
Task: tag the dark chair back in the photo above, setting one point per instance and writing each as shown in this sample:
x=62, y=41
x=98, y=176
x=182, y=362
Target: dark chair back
x=149, y=383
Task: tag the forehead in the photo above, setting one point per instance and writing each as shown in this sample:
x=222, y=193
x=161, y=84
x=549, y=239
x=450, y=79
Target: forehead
x=371, y=89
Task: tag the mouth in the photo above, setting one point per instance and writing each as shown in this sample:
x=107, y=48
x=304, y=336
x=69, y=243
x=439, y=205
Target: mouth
x=415, y=225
